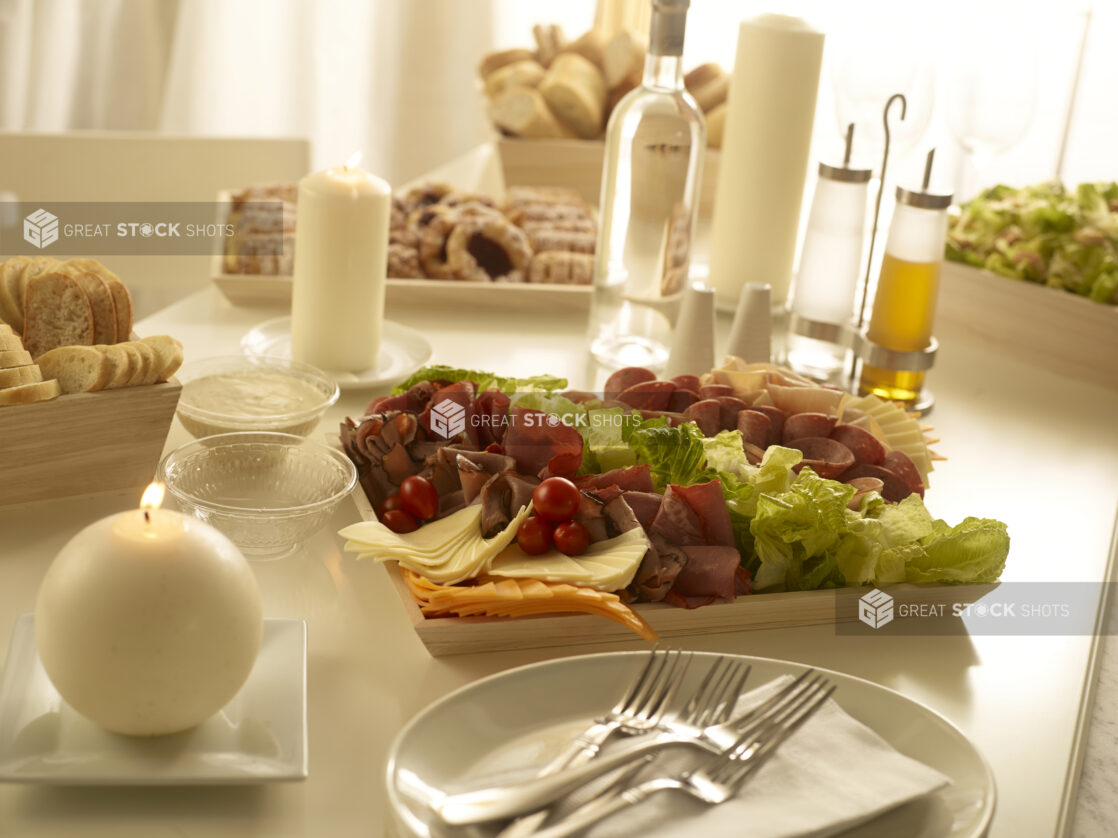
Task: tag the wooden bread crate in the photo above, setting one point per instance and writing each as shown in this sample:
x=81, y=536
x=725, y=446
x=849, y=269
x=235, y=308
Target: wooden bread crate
x=84, y=443
x=1045, y=327
x=578, y=165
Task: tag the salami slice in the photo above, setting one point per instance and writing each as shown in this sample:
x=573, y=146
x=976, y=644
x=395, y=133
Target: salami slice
x=863, y=486
x=776, y=419
x=705, y=413
x=826, y=457
x=892, y=487
x=713, y=391
x=800, y=425
x=901, y=465
x=682, y=399
x=728, y=409
x=865, y=447
x=625, y=378
x=755, y=428
x=688, y=382
x=648, y=395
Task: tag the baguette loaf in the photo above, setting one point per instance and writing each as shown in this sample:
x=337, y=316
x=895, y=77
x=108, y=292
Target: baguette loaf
x=709, y=85
x=716, y=125
x=550, y=40
x=623, y=59
x=591, y=45
x=519, y=74
x=497, y=60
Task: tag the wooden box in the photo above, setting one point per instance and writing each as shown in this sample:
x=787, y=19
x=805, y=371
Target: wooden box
x=1045, y=327
x=578, y=164
x=84, y=443
x=466, y=635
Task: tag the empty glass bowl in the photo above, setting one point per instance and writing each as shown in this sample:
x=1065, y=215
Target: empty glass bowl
x=268, y=492
x=226, y=394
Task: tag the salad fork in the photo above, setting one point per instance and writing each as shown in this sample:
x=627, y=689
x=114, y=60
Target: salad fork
x=718, y=779
x=500, y=802
x=711, y=703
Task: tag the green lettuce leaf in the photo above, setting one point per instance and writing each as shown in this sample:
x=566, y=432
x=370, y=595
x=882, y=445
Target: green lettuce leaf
x=674, y=455
x=484, y=380
x=973, y=551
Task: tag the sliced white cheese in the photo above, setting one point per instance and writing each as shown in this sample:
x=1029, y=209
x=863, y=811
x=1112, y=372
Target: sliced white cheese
x=431, y=538
x=607, y=565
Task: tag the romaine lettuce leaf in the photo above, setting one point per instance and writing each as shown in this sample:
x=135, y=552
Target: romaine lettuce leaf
x=484, y=380
x=674, y=455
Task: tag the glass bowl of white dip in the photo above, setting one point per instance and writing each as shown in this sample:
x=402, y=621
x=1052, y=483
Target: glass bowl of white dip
x=229, y=394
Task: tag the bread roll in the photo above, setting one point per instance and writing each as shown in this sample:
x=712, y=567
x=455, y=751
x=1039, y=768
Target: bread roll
x=708, y=84
x=517, y=74
x=497, y=60
x=523, y=112
x=550, y=41
x=591, y=45
x=576, y=92
x=716, y=124
x=623, y=60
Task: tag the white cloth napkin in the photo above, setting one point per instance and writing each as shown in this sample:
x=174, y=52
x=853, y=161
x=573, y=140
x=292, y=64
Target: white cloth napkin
x=830, y=775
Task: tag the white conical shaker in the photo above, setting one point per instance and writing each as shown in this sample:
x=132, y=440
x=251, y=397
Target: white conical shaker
x=693, y=340
x=751, y=332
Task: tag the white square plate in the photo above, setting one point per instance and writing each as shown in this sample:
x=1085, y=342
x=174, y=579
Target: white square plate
x=259, y=737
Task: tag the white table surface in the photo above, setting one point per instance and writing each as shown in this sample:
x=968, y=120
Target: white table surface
x=1024, y=446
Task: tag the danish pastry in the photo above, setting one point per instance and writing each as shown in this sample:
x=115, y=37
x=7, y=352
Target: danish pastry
x=562, y=268
x=488, y=248
x=403, y=262
x=547, y=238
x=425, y=194
x=433, y=240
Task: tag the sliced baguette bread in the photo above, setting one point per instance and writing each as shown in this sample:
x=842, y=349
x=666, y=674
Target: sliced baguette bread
x=56, y=312
x=168, y=353
x=122, y=300
x=103, y=307
x=15, y=376
x=143, y=373
x=10, y=310
x=10, y=342
x=129, y=370
x=14, y=358
x=116, y=360
x=78, y=369
x=40, y=391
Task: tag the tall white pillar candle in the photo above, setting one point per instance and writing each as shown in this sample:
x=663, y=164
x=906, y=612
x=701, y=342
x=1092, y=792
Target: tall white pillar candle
x=764, y=157
x=341, y=257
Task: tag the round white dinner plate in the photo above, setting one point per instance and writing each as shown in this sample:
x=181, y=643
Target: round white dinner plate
x=525, y=716
x=402, y=352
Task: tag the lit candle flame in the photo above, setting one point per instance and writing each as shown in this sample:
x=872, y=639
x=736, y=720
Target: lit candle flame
x=353, y=161
x=152, y=498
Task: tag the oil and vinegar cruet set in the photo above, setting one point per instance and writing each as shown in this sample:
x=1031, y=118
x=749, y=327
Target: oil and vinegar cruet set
x=829, y=335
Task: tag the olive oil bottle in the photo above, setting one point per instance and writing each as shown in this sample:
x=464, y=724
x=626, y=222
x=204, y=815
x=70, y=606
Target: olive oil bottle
x=904, y=304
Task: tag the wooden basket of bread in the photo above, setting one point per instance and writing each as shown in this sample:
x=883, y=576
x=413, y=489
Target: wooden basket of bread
x=551, y=104
x=68, y=361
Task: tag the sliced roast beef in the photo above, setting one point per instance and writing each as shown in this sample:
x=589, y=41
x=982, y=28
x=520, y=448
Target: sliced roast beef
x=591, y=514
x=632, y=478
x=691, y=515
x=398, y=465
x=620, y=515
x=658, y=570
x=502, y=498
x=645, y=505
x=492, y=411
x=710, y=575
x=539, y=442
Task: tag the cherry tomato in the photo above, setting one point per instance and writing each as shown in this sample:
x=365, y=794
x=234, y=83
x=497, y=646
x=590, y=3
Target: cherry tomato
x=495, y=448
x=556, y=499
x=534, y=536
x=419, y=497
x=388, y=504
x=400, y=521
x=571, y=538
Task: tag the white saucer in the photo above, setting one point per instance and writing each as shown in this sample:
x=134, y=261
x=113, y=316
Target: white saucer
x=259, y=737
x=402, y=352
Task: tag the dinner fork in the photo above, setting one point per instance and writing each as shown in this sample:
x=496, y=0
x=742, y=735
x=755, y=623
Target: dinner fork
x=711, y=703
x=500, y=802
x=639, y=709
x=718, y=779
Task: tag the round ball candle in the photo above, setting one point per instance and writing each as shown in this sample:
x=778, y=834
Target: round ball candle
x=148, y=622
x=341, y=257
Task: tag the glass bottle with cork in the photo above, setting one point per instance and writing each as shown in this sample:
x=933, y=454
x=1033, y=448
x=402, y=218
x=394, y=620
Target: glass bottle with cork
x=898, y=347
x=651, y=172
